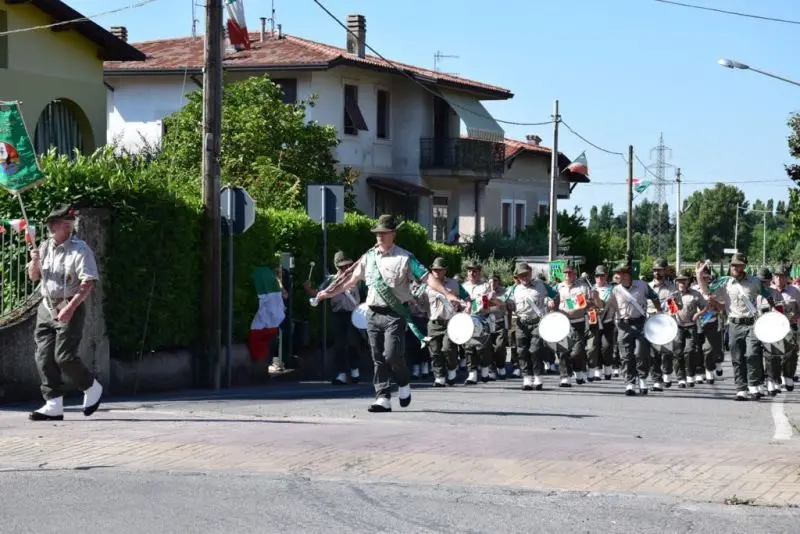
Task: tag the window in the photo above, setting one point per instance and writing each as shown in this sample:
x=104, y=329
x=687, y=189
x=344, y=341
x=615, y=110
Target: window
x=440, y=218
x=513, y=216
x=3, y=40
x=384, y=114
x=353, y=119
x=544, y=209
x=404, y=206
x=289, y=88
x=58, y=127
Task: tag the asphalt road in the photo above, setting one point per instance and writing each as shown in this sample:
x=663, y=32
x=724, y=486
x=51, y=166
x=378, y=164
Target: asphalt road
x=308, y=457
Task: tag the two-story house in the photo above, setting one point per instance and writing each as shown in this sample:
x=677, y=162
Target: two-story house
x=57, y=72
x=399, y=125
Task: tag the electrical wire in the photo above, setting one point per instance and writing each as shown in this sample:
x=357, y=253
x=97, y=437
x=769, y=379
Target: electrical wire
x=726, y=12
x=79, y=19
x=582, y=138
x=405, y=73
x=683, y=182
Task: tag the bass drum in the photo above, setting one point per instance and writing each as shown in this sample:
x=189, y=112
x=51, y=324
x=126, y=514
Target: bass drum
x=660, y=329
x=774, y=332
x=359, y=317
x=468, y=330
x=555, y=329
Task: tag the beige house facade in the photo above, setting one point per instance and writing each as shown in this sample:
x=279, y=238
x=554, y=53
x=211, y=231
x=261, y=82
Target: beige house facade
x=57, y=73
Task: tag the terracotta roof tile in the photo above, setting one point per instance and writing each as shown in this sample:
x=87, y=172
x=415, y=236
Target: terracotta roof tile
x=513, y=147
x=187, y=53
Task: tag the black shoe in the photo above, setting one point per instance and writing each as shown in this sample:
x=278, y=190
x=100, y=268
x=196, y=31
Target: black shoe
x=451, y=382
x=580, y=381
x=89, y=410
x=38, y=416
x=630, y=392
x=643, y=391
x=668, y=384
x=405, y=402
x=607, y=377
x=377, y=408
x=658, y=388
x=527, y=388
x=439, y=385
x=719, y=372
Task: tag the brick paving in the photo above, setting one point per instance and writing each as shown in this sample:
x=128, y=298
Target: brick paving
x=391, y=448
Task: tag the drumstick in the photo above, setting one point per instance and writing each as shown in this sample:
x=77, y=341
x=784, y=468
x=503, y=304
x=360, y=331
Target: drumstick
x=310, y=271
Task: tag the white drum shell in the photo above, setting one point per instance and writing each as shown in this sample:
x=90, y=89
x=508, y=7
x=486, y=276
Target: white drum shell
x=554, y=327
x=661, y=329
x=359, y=317
x=466, y=329
x=772, y=327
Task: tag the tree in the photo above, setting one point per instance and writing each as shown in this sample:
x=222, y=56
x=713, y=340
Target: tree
x=793, y=170
x=267, y=146
x=707, y=227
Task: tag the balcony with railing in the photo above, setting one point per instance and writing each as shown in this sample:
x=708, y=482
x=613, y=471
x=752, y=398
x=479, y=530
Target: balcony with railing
x=462, y=156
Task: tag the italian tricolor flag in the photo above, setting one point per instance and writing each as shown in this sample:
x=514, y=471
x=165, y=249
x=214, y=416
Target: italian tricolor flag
x=271, y=313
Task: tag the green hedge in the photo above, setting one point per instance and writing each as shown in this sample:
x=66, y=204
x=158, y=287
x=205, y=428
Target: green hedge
x=154, y=256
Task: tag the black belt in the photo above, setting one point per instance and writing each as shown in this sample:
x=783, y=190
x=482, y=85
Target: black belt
x=382, y=309
x=634, y=320
x=743, y=320
x=529, y=320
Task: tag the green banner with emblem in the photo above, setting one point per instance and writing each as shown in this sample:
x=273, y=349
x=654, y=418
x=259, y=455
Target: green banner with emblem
x=556, y=270
x=19, y=169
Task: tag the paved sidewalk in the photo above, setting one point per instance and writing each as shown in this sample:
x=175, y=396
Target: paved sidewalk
x=589, y=443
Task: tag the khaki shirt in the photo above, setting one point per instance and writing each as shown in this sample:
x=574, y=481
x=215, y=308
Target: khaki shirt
x=343, y=302
x=420, y=304
x=499, y=312
x=664, y=290
x=790, y=299
x=762, y=303
x=566, y=292
x=735, y=295
x=641, y=293
x=522, y=299
x=397, y=266
x=439, y=310
x=607, y=315
x=65, y=267
x=476, y=291
x=692, y=301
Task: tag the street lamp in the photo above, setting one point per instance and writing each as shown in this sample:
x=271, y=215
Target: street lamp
x=730, y=64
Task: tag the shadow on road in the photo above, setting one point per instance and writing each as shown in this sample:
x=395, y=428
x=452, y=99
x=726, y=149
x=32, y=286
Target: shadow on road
x=503, y=413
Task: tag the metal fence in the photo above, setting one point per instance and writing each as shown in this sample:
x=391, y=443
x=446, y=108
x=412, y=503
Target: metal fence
x=16, y=290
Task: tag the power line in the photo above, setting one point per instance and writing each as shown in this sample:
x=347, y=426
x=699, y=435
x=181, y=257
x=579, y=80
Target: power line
x=79, y=19
x=726, y=12
x=582, y=138
x=405, y=73
x=785, y=181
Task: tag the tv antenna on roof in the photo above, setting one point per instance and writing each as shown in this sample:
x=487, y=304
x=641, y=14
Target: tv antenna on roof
x=195, y=20
x=437, y=58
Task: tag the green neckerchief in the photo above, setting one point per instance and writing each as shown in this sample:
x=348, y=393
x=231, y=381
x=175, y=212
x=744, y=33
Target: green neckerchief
x=387, y=295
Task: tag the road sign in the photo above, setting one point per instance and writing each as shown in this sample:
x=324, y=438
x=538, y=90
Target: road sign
x=730, y=251
x=239, y=208
x=334, y=203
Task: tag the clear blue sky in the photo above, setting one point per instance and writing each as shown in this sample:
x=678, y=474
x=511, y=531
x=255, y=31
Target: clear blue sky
x=623, y=70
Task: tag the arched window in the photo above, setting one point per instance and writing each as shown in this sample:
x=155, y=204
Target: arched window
x=58, y=127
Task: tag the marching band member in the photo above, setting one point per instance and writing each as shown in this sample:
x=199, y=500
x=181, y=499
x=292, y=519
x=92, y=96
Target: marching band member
x=478, y=358
x=575, y=300
x=443, y=352
x=417, y=355
x=687, y=352
x=602, y=332
x=388, y=271
x=662, y=356
x=499, y=338
x=347, y=342
x=790, y=295
x=527, y=299
x=709, y=332
x=772, y=361
x=617, y=364
x=629, y=299
x=738, y=293
x=511, y=317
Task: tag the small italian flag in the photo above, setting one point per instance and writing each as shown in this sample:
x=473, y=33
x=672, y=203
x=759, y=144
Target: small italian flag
x=271, y=313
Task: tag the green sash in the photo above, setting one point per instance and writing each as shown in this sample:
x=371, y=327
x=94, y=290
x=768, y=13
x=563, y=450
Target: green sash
x=387, y=295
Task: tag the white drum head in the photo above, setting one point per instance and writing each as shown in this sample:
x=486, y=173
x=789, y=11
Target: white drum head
x=359, y=317
x=460, y=328
x=554, y=327
x=772, y=327
x=660, y=329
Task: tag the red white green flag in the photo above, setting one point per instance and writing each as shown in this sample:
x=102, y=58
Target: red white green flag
x=237, y=27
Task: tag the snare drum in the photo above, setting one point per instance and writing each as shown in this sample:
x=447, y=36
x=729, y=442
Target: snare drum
x=359, y=317
x=468, y=330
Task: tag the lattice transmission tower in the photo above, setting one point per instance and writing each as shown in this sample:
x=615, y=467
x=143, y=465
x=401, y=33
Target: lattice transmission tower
x=659, y=220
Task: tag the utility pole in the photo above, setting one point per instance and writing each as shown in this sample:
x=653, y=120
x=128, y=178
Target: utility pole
x=555, y=172
x=678, y=222
x=629, y=258
x=764, y=244
x=212, y=234
x=736, y=229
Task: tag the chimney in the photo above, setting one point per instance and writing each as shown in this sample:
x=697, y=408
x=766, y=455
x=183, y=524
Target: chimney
x=280, y=31
x=263, y=28
x=533, y=139
x=357, y=35
x=120, y=32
